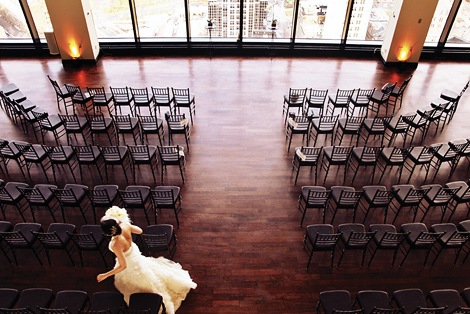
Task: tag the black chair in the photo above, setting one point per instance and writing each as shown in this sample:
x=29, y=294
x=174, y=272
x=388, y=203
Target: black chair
x=360, y=100
x=178, y=124
x=294, y=99
x=344, y=197
x=101, y=98
x=90, y=239
x=448, y=299
x=138, y=196
x=183, y=98
x=99, y=124
x=375, y=302
x=50, y=123
x=418, y=238
x=386, y=237
x=21, y=238
x=62, y=94
x=297, y=125
x=68, y=301
x=315, y=102
x=341, y=101
x=146, y=301
x=320, y=237
x=8, y=297
x=167, y=197
x=39, y=196
x=415, y=122
x=75, y=125
x=313, y=197
x=151, y=125
x=105, y=302
x=432, y=116
x=465, y=294
x=392, y=157
x=406, y=196
x=103, y=196
x=322, y=125
x=34, y=154
x=122, y=97
x=335, y=156
x=354, y=237
x=89, y=156
x=56, y=238
x=396, y=94
x=81, y=97
x=444, y=153
x=160, y=238
x=462, y=150
x=366, y=156
x=412, y=301
x=372, y=127
x=375, y=197
x=61, y=156
x=395, y=126
x=125, y=124
x=418, y=156
x=336, y=301
x=143, y=155
x=350, y=125
x=75, y=196
x=116, y=156
x=10, y=195
x=380, y=98
x=306, y=157
x=172, y=156
x=436, y=195
x=142, y=99
x=35, y=298
x=462, y=196
x=9, y=152
x=162, y=97
x=451, y=239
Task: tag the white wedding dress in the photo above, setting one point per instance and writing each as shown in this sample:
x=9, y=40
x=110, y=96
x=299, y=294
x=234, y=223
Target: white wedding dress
x=157, y=275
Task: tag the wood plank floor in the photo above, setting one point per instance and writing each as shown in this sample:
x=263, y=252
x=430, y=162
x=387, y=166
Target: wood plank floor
x=239, y=236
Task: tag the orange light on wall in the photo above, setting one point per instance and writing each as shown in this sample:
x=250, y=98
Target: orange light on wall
x=74, y=49
x=403, y=53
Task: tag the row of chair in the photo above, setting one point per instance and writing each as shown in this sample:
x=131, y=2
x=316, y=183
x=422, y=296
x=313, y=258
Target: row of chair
x=307, y=100
x=45, y=301
x=378, y=197
x=412, y=236
x=76, y=196
x=133, y=98
x=129, y=158
x=403, y=301
x=64, y=237
x=382, y=158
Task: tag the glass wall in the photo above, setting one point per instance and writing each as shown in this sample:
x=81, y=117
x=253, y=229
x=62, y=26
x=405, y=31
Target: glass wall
x=161, y=18
x=321, y=19
x=112, y=19
x=439, y=20
x=460, y=32
x=12, y=21
x=41, y=16
x=369, y=20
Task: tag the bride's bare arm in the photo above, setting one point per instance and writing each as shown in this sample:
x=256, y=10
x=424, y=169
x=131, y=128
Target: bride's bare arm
x=119, y=267
x=136, y=230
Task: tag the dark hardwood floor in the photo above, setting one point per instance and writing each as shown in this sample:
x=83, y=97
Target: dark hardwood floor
x=239, y=236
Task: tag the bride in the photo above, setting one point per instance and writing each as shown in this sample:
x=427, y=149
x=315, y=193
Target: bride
x=134, y=272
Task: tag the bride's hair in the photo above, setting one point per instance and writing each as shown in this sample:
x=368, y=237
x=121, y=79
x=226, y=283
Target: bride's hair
x=111, y=227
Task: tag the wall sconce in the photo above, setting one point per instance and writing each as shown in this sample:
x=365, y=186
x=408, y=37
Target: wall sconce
x=403, y=53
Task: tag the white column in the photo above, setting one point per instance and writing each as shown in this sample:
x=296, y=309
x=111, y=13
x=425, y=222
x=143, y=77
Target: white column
x=74, y=29
x=407, y=30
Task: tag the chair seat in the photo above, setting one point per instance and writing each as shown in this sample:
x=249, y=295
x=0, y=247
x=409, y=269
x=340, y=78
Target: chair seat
x=449, y=94
x=414, y=230
x=313, y=201
x=116, y=158
x=370, y=191
x=430, y=195
x=140, y=158
x=461, y=196
x=448, y=229
x=90, y=158
x=380, y=230
x=368, y=159
x=46, y=191
x=444, y=152
x=54, y=122
x=13, y=191
x=40, y=152
x=378, y=97
x=328, y=152
x=144, y=191
x=125, y=127
x=387, y=155
x=372, y=127
x=309, y=158
x=417, y=157
x=337, y=190
x=348, y=127
x=9, y=89
x=314, y=230
x=78, y=190
x=403, y=190
x=97, y=126
x=111, y=190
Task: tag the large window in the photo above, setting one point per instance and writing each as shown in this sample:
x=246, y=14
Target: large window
x=439, y=20
x=112, y=18
x=369, y=20
x=41, y=16
x=12, y=20
x=321, y=19
x=161, y=18
x=460, y=33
